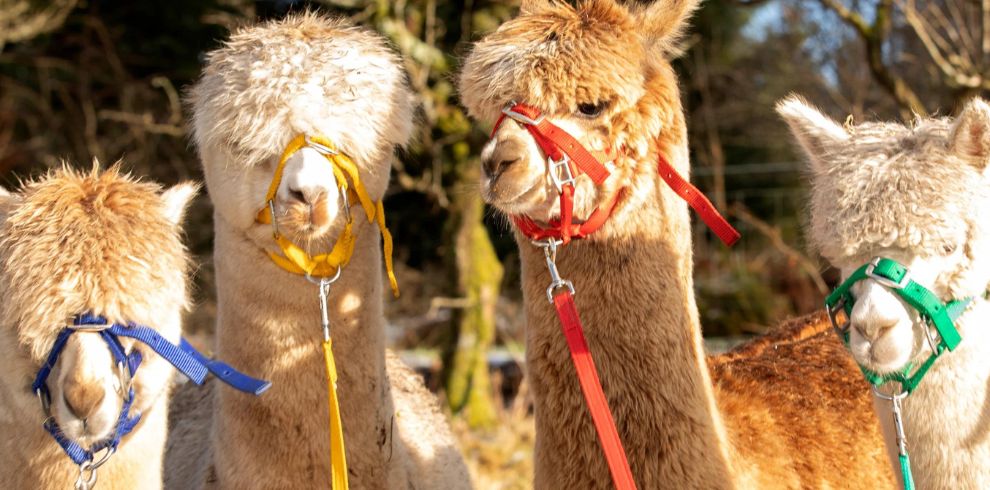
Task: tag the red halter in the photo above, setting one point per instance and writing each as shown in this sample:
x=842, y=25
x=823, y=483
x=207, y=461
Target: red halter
x=566, y=157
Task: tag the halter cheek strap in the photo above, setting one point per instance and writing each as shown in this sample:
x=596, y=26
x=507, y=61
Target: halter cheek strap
x=184, y=357
x=296, y=260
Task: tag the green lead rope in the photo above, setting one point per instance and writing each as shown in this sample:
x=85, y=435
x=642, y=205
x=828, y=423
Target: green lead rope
x=933, y=311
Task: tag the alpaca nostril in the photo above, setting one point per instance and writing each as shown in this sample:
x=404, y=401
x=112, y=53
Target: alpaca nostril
x=493, y=170
x=297, y=195
x=873, y=331
x=83, y=400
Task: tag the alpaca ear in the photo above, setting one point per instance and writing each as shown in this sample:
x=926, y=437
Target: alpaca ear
x=177, y=199
x=661, y=23
x=814, y=131
x=970, y=137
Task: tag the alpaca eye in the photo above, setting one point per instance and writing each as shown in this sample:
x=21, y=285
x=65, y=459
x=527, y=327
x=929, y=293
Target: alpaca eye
x=949, y=249
x=592, y=110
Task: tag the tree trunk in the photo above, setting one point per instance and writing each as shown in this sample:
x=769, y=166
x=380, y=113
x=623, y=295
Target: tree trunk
x=479, y=277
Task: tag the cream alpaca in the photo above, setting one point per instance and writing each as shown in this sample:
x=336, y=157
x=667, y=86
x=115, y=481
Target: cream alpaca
x=926, y=185
x=785, y=411
x=73, y=243
x=268, y=84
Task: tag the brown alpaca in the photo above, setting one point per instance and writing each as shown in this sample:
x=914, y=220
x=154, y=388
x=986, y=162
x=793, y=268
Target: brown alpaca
x=786, y=411
x=72, y=243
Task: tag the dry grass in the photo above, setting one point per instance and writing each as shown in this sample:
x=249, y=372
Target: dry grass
x=500, y=458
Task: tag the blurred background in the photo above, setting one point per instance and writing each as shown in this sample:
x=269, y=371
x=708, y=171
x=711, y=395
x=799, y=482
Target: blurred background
x=85, y=79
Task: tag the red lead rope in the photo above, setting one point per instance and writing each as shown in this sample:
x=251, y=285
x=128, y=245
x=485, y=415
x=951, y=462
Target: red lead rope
x=591, y=386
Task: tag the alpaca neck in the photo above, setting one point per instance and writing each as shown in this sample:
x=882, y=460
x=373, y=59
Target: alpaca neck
x=636, y=301
x=268, y=324
x=32, y=459
x=947, y=417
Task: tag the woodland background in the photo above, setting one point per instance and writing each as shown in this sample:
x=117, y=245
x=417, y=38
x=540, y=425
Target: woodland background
x=84, y=79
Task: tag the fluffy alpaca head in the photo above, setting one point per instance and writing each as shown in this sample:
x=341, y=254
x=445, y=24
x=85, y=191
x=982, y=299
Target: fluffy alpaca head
x=593, y=68
x=97, y=242
x=305, y=74
x=908, y=193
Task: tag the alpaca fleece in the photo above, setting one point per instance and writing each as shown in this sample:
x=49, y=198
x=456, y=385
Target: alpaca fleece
x=75, y=242
x=314, y=75
x=916, y=193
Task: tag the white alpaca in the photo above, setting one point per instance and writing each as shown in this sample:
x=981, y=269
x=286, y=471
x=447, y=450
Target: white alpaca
x=914, y=195
x=306, y=75
x=71, y=244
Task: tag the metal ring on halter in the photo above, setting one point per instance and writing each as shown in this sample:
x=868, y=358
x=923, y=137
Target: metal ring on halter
x=885, y=281
x=46, y=401
x=515, y=116
x=90, y=328
x=560, y=172
x=321, y=281
x=271, y=211
x=899, y=396
x=324, y=149
x=927, y=326
x=833, y=312
x=347, y=205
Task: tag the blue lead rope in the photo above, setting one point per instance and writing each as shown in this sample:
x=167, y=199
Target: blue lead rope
x=184, y=357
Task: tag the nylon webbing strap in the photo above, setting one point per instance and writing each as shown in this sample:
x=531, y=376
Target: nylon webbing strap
x=718, y=224
x=591, y=387
x=338, y=458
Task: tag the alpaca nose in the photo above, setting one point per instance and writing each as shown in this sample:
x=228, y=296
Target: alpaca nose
x=875, y=328
x=305, y=194
x=83, y=398
x=504, y=155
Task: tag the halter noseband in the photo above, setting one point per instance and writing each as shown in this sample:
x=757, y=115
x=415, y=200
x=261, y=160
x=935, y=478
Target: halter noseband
x=184, y=357
x=567, y=158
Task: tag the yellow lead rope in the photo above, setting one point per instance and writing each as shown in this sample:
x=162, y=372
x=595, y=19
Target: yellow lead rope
x=338, y=460
x=326, y=267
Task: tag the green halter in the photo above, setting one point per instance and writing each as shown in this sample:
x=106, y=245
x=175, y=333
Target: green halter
x=896, y=278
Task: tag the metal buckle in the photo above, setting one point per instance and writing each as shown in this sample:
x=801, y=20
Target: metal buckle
x=90, y=328
x=271, y=211
x=326, y=150
x=927, y=325
x=833, y=312
x=324, y=284
x=885, y=281
x=556, y=282
x=515, y=116
x=560, y=172
x=46, y=401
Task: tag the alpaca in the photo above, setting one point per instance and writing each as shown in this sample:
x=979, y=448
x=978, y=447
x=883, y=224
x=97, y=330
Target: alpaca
x=306, y=75
x=103, y=243
x=780, y=412
x=925, y=184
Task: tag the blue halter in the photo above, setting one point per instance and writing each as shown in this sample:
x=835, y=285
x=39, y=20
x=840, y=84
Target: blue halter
x=184, y=357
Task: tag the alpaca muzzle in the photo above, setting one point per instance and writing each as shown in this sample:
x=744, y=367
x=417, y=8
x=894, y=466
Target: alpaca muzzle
x=184, y=357
x=294, y=258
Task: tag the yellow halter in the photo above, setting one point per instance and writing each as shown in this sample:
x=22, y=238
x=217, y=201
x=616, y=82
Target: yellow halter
x=294, y=259
x=327, y=266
